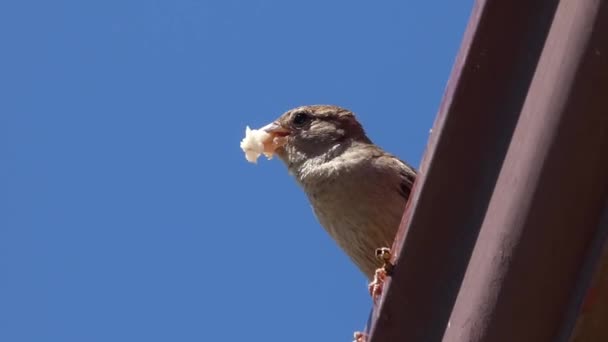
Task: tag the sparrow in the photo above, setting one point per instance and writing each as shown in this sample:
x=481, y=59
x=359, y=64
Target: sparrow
x=357, y=191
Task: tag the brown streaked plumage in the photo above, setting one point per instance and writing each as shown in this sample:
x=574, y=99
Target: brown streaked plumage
x=358, y=192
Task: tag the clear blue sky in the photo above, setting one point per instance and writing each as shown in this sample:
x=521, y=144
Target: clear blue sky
x=128, y=211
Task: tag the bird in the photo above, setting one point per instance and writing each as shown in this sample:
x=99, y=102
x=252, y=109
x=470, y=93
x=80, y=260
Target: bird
x=357, y=191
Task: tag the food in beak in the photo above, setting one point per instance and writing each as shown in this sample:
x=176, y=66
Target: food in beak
x=263, y=141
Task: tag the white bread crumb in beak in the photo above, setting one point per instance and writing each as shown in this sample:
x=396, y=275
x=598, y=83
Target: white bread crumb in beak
x=263, y=141
x=253, y=144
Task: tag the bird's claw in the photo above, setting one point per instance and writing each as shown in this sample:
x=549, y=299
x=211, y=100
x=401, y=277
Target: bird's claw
x=384, y=254
x=375, y=287
x=359, y=336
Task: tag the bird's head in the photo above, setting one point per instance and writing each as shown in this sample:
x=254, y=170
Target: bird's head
x=314, y=132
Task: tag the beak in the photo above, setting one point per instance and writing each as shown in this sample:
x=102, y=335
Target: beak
x=277, y=138
x=275, y=129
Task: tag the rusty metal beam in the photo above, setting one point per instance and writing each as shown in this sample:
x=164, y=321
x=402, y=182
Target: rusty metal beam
x=590, y=324
x=513, y=183
x=550, y=195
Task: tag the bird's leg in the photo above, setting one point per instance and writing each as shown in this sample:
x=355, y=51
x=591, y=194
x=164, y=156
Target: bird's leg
x=375, y=287
x=359, y=336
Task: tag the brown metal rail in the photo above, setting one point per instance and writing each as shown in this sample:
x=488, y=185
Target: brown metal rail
x=498, y=242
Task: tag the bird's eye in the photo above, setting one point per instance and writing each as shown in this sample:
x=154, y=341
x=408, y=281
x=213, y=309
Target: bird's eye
x=301, y=119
